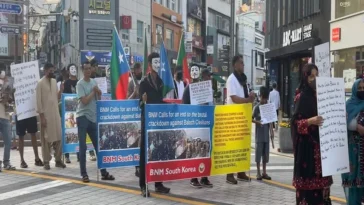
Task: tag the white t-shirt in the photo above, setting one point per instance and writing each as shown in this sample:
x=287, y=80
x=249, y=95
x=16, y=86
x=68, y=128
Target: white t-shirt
x=233, y=87
x=180, y=89
x=274, y=98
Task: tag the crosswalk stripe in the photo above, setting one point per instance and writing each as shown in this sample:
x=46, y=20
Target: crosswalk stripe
x=31, y=189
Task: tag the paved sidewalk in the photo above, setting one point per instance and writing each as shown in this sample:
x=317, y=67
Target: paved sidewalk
x=222, y=193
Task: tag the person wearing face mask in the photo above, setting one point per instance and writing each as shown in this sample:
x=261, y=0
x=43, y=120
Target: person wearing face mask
x=353, y=189
x=5, y=122
x=151, y=92
x=133, y=92
x=47, y=96
x=186, y=99
x=238, y=93
x=311, y=186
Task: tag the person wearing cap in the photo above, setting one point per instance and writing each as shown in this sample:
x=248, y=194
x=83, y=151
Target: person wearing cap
x=186, y=99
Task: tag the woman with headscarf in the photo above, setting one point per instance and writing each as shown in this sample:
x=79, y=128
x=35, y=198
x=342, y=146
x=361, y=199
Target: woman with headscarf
x=311, y=187
x=353, y=182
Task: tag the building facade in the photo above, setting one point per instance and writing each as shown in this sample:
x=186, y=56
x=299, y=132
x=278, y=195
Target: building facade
x=167, y=26
x=294, y=28
x=136, y=16
x=218, y=32
x=346, y=39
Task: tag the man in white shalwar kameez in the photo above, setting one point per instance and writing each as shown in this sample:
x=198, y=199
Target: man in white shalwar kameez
x=47, y=107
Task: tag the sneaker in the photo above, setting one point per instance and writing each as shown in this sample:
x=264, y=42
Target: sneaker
x=259, y=177
x=38, y=163
x=85, y=179
x=195, y=184
x=266, y=177
x=243, y=177
x=23, y=165
x=162, y=189
x=9, y=167
x=231, y=179
x=68, y=161
x=137, y=173
x=145, y=192
x=60, y=164
x=206, y=183
x=92, y=158
x=47, y=167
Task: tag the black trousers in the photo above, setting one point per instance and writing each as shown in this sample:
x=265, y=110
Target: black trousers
x=142, y=158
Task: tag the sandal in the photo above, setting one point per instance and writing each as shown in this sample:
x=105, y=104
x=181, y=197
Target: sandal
x=85, y=179
x=24, y=165
x=108, y=177
x=38, y=163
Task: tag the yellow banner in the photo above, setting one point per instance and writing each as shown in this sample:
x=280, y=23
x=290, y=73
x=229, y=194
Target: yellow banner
x=88, y=139
x=231, y=139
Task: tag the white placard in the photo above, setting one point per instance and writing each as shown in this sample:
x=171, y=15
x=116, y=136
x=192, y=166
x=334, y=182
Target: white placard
x=333, y=132
x=201, y=92
x=349, y=77
x=26, y=77
x=322, y=59
x=268, y=113
x=102, y=83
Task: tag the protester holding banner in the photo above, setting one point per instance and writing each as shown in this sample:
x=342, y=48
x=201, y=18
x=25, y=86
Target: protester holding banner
x=186, y=99
x=88, y=93
x=351, y=181
x=262, y=132
x=47, y=107
x=237, y=93
x=5, y=98
x=150, y=92
x=133, y=92
x=311, y=187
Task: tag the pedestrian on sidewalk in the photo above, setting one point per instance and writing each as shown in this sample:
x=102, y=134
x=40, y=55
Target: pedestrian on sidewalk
x=133, y=93
x=186, y=99
x=88, y=93
x=237, y=93
x=151, y=92
x=353, y=188
x=275, y=99
x=262, y=132
x=311, y=186
x=5, y=100
x=30, y=126
x=47, y=107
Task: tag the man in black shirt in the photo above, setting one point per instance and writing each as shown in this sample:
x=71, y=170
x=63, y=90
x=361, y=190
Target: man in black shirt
x=151, y=92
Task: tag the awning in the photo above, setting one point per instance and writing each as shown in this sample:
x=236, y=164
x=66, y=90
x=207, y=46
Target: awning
x=218, y=78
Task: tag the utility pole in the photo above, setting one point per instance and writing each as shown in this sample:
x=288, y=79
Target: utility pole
x=232, y=29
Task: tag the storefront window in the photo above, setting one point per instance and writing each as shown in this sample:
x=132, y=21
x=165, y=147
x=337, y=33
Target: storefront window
x=347, y=7
x=349, y=64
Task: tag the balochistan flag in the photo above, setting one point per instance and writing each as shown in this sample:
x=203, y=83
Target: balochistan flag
x=119, y=69
x=165, y=71
x=182, y=60
x=145, y=70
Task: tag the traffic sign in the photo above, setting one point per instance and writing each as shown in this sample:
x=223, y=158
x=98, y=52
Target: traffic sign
x=8, y=8
x=10, y=29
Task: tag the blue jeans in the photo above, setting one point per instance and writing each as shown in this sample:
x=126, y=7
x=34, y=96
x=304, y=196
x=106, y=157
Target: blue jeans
x=85, y=127
x=5, y=131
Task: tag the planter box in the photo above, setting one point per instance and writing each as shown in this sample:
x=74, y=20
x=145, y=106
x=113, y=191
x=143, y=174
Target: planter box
x=285, y=140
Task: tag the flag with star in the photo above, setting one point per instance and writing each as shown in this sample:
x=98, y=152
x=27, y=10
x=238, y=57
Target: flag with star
x=165, y=71
x=119, y=69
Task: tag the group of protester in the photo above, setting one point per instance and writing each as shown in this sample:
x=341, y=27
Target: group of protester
x=119, y=136
x=311, y=187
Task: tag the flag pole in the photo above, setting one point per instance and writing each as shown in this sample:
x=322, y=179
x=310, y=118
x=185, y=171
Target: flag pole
x=132, y=76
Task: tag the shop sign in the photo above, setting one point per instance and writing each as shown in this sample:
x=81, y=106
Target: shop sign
x=336, y=34
x=101, y=7
x=258, y=41
x=300, y=34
